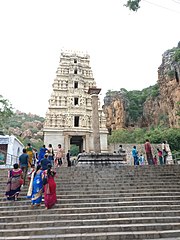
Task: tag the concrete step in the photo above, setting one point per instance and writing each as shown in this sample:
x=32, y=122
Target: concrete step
x=100, y=209
x=35, y=216
x=126, y=170
x=114, y=176
x=109, y=192
x=91, y=229
x=25, y=205
x=120, y=196
x=100, y=203
x=103, y=235
x=109, y=189
x=87, y=222
x=103, y=197
x=132, y=200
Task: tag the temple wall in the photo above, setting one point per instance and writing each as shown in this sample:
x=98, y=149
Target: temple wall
x=54, y=137
x=103, y=140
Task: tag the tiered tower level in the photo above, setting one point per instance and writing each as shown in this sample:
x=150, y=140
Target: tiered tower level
x=69, y=116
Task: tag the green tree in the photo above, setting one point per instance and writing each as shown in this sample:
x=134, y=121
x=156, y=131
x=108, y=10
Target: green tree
x=177, y=55
x=6, y=111
x=139, y=135
x=74, y=149
x=136, y=99
x=133, y=5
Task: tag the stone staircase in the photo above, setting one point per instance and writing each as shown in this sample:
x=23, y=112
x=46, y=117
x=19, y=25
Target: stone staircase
x=102, y=202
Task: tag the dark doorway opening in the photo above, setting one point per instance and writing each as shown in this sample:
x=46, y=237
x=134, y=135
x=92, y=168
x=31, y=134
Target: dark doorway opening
x=78, y=141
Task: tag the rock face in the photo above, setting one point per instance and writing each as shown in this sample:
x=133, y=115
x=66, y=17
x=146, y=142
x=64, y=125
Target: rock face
x=165, y=107
x=159, y=109
x=170, y=88
x=115, y=109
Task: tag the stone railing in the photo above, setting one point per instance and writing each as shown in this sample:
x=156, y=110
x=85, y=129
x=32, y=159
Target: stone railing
x=140, y=148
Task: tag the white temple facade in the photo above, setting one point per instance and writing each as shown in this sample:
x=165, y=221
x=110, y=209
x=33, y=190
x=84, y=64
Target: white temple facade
x=69, y=116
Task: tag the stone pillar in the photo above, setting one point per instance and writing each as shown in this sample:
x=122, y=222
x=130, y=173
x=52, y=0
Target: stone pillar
x=95, y=118
x=84, y=143
x=66, y=143
x=87, y=143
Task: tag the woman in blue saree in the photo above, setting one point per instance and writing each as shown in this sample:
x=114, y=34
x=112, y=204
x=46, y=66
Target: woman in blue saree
x=36, y=187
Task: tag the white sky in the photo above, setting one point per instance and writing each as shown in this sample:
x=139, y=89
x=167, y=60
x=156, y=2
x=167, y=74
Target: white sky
x=125, y=48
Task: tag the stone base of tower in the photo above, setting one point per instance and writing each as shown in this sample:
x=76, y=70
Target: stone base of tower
x=101, y=158
x=80, y=138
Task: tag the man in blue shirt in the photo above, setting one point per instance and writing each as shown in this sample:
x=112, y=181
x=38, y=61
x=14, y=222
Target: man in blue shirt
x=135, y=155
x=23, y=163
x=44, y=162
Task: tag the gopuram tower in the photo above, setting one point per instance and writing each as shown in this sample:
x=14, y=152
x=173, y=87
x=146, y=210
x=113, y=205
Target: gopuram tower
x=69, y=116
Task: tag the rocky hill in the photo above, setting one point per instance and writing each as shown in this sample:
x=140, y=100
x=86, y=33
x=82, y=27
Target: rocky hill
x=27, y=127
x=153, y=106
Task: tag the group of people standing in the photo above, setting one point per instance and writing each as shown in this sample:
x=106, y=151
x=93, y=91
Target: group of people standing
x=40, y=175
x=48, y=153
x=162, y=153
x=138, y=159
x=151, y=160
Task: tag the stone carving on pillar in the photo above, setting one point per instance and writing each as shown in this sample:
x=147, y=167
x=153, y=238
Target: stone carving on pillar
x=82, y=101
x=70, y=100
x=89, y=119
x=63, y=120
x=53, y=121
x=68, y=121
x=47, y=122
x=84, y=121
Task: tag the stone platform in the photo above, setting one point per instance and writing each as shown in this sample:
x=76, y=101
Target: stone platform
x=102, y=158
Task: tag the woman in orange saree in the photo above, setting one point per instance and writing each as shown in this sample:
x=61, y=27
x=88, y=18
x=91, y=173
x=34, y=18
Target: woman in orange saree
x=29, y=151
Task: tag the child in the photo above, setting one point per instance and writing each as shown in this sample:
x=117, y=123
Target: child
x=155, y=160
x=160, y=155
x=32, y=169
x=141, y=159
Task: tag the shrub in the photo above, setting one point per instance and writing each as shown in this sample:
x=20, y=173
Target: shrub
x=177, y=55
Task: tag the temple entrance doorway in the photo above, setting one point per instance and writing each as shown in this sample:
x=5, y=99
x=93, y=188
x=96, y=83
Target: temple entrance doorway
x=78, y=141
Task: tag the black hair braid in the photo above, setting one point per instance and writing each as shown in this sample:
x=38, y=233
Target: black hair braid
x=37, y=169
x=49, y=172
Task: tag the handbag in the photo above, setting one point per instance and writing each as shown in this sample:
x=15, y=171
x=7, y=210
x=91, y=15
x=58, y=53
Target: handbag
x=21, y=181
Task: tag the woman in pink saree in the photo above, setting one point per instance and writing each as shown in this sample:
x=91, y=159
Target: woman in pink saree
x=50, y=188
x=15, y=180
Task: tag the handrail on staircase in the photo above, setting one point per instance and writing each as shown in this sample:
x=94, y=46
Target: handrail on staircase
x=13, y=158
x=176, y=157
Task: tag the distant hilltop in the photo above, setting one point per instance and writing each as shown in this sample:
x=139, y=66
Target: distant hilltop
x=27, y=127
